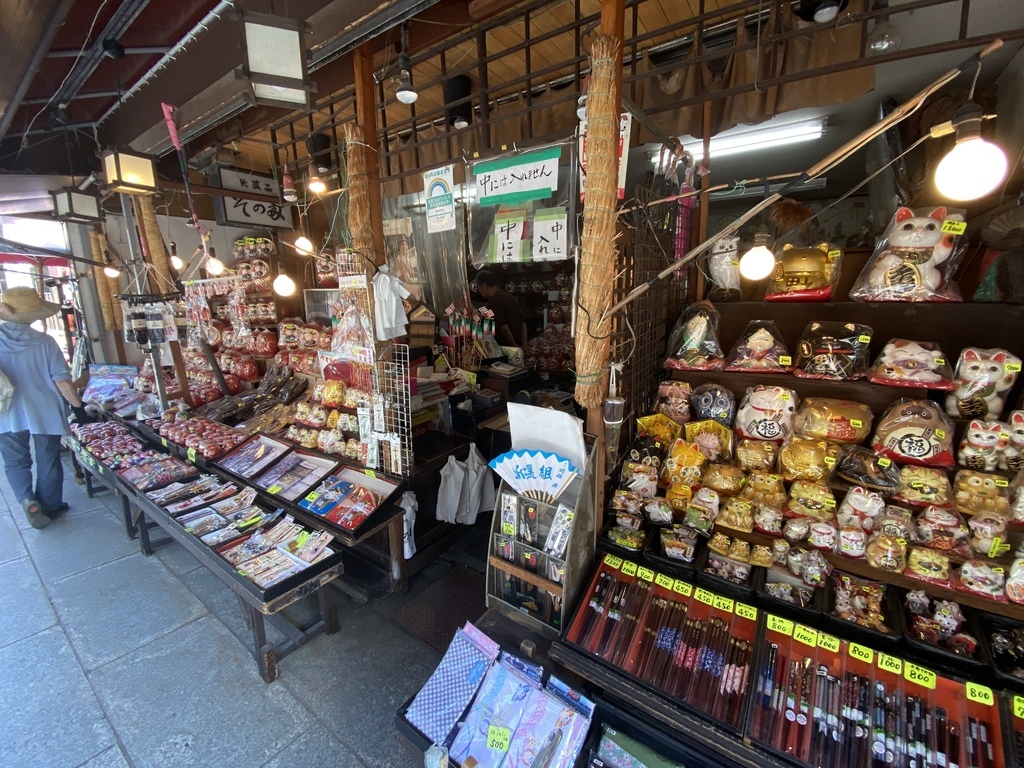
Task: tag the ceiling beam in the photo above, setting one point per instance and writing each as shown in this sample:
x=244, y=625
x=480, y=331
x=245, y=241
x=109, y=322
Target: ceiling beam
x=78, y=97
x=145, y=50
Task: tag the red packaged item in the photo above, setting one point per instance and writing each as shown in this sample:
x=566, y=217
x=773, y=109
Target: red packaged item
x=760, y=349
x=920, y=364
x=915, y=432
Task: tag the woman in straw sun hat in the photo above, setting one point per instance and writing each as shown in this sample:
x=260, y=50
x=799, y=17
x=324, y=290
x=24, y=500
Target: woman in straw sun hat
x=36, y=368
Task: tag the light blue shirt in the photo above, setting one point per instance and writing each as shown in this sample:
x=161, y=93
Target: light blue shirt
x=33, y=362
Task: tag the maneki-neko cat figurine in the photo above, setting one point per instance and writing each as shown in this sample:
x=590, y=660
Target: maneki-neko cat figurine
x=805, y=274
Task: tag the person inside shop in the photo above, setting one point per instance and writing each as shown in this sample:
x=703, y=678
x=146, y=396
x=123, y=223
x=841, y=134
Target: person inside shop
x=35, y=367
x=509, y=328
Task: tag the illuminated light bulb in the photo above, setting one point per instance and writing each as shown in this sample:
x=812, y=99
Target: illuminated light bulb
x=316, y=185
x=974, y=167
x=177, y=263
x=214, y=266
x=304, y=246
x=284, y=285
x=759, y=261
x=111, y=271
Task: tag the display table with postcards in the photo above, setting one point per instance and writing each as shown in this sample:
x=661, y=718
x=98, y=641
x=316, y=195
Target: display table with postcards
x=271, y=520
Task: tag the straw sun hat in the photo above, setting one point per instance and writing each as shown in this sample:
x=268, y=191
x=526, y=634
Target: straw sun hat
x=24, y=305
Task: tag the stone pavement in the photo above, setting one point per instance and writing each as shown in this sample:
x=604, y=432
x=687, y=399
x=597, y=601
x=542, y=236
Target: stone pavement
x=111, y=659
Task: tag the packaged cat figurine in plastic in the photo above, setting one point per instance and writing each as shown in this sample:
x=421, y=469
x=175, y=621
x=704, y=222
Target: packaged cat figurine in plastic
x=862, y=505
x=713, y=401
x=839, y=421
x=915, y=258
x=766, y=413
x=982, y=445
x=904, y=363
x=833, y=351
x=983, y=377
x=805, y=274
x=760, y=349
x=674, y=400
x=1011, y=457
x=693, y=344
x=724, y=266
x=978, y=492
x=915, y=432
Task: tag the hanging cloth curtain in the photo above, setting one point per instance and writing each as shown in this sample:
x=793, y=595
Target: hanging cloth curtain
x=690, y=80
x=822, y=46
x=749, y=67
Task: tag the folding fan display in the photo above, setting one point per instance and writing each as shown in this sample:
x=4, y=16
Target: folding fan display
x=539, y=475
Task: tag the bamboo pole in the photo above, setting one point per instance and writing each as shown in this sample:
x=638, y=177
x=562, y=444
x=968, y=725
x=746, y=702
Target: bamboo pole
x=154, y=249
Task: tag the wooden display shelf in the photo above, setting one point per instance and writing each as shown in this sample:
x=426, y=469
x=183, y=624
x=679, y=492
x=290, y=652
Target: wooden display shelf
x=529, y=577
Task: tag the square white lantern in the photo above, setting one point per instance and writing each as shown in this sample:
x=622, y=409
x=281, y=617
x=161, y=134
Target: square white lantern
x=129, y=172
x=74, y=205
x=275, y=60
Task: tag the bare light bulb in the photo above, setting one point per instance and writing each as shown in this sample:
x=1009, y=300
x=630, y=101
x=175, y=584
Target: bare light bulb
x=214, y=266
x=304, y=246
x=885, y=38
x=759, y=261
x=111, y=271
x=972, y=169
x=405, y=92
x=284, y=285
x=177, y=263
x=316, y=185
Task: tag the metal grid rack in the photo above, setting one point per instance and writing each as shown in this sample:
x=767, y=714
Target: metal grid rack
x=392, y=415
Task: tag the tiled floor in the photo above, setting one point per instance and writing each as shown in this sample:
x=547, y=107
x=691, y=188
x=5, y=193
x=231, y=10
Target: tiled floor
x=111, y=659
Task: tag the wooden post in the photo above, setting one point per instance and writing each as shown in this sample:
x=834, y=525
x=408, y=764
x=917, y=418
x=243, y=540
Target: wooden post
x=366, y=117
x=698, y=290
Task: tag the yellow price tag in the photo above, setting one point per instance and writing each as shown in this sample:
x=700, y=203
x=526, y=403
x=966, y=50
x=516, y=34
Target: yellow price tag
x=784, y=396
x=830, y=460
x=805, y=635
x=663, y=581
x=979, y=694
x=683, y=588
x=645, y=574
x=780, y=625
x=856, y=423
x=830, y=502
x=835, y=253
x=723, y=604
x=629, y=568
x=919, y=675
x=610, y=560
x=940, y=433
x=190, y=454
x=1001, y=482
x=890, y=663
x=274, y=489
x=861, y=653
x=703, y=596
x=785, y=360
x=864, y=339
x=884, y=462
x=828, y=642
x=369, y=473
x=940, y=361
x=163, y=441
x=1012, y=367
x=1018, y=706
x=312, y=496
x=509, y=529
x=745, y=611
x=498, y=738
x=951, y=227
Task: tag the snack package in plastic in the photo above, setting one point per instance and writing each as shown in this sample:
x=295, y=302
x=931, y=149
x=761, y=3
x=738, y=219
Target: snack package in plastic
x=888, y=553
x=674, y=400
x=683, y=466
x=766, y=413
x=859, y=601
x=804, y=458
x=760, y=349
x=724, y=479
x=756, y=455
x=915, y=432
x=714, y=439
x=923, y=487
x=805, y=274
x=679, y=542
x=916, y=258
x=810, y=500
x=693, y=344
x=983, y=378
x=905, y=363
x=861, y=505
x=702, y=511
x=627, y=538
x=737, y=514
x=944, y=530
x=658, y=511
x=928, y=565
x=839, y=421
x=981, y=492
x=983, y=443
x=713, y=401
x=988, y=534
x=720, y=543
x=980, y=578
x=764, y=488
x=897, y=521
x=856, y=465
x=836, y=351
x=768, y=520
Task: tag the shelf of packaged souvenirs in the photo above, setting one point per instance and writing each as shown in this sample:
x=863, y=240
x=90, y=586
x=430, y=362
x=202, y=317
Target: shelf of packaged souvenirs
x=95, y=471
x=714, y=670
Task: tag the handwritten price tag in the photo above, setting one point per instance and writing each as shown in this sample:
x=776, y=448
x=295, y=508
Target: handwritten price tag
x=1018, y=706
x=785, y=360
x=890, y=663
x=629, y=568
x=864, y=338
x=682, y=588
x=1012, y=367
x=951, y=227
x=979, y=694
x=703, y=596
x=723, y=604
x=663, y=581
x=835, y=253
x=274, y=489
x=645, y=574
x=498, y=738
x=780, y=625
x=884, y=462
x=1001, y=482
x=861, y=653
x=745, y=611
x=190, y=454
x=856, y=423
x=509, y=529
x=828, y=642
x=610, y=560
x=805, y=635
x=163, y=441
x=830, y=460
x=312, y=496
x=940, y=433
x=919, y=675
